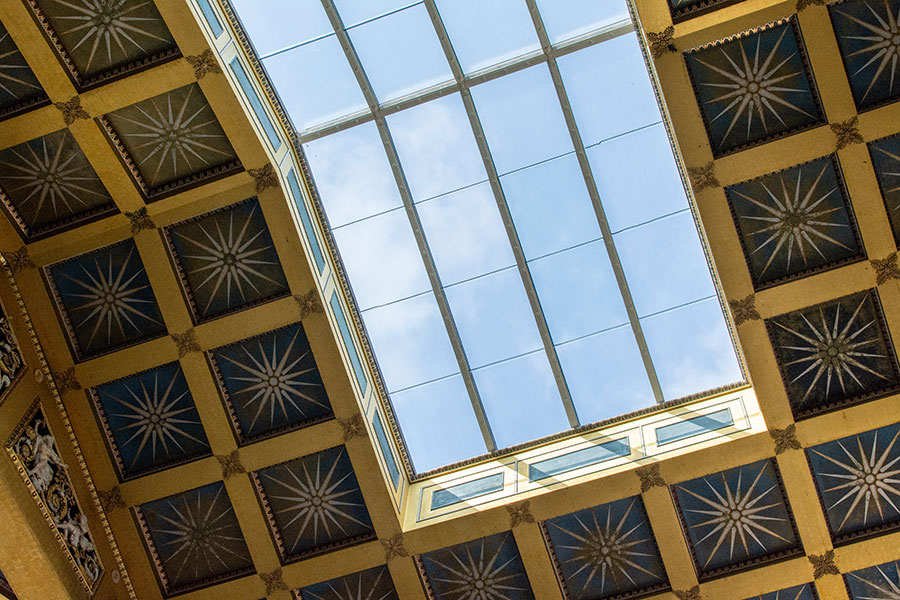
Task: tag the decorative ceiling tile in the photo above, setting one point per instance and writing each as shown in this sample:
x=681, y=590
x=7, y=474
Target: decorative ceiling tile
x=150, y=421
x=881, y=582
x=104, y=300
x=171, y=142
x=858, y=483
x=795, y=222
x=20, y=90
x=48, y=185
x=685, y=9
x=314, y=504
x=834, y=354
x=226, y=260
x=101, y=40
x=194, y=539
x=736, y=519
x=371, y=584
x=607, y=551
x=807, y=591
x=754, y=87
x=885, y=155
x=271, y=383
x=489, y=568
x=11, y=364
x=869, y=38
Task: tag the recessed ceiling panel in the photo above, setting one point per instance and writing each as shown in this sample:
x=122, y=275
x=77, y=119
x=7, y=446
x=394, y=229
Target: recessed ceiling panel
x=371, y=584
x=20, y=89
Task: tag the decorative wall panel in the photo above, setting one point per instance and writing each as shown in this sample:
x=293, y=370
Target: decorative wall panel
x=20, y=90
x=11, y=365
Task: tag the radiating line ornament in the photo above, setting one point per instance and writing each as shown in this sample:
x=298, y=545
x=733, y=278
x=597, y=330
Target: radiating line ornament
x=754, y=87
x=885, y=155
x=881, y=582
x=18, y=84
x=800, y=592
x=371, y=584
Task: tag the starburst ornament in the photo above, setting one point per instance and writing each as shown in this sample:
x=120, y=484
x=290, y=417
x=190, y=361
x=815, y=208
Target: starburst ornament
x=881, y=582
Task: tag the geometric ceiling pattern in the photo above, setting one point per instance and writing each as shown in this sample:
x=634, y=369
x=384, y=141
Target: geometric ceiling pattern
x=228, y=444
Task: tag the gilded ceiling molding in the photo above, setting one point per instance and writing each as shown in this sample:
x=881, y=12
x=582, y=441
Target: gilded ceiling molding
x=66, y=380
x=310, y=303
x=823, y=565
x=353, y=427
x=519, y=513
x=186, y=342
x=140, y=220
x=785, y=439
x=703, y=177
x=662, y=42
x=650, y=477
x=691, y=594
x=886, y=268
x=111, y=499
x=71, y=110
x=847, y=132
x=265, y=177
x=231, y=464
x=18, y=260
x=274, y=581
x=204, y=64
x=801, y=4
x=394, y=548
x=744, y=310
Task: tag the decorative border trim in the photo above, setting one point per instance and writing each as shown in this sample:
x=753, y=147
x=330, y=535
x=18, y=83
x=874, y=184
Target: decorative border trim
x=810, y=271
x=695, y=10
x=14, y=110
x=32, y=235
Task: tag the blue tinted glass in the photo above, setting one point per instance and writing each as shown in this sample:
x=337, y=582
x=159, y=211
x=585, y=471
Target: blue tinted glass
x=238, y=69
x=566, y=19
x=664, y=263
x=637, y=177
x=522, y=118
x=606, y=375
x=521, y=399
x=319, y=66
x=352, y=174
x=438, y=423
x=494, y=317
x=609, y=88
x=306, y=221
x=550, y=206
x=210, y=15
x=386, y=450
x=578, y=292
x=354, y=11
x=401, y=53
x=410, y=341
x=691, y=349
x=349, y=343
x=465, y=234
x=276, y=24
x=487, y=33
x=436, y=146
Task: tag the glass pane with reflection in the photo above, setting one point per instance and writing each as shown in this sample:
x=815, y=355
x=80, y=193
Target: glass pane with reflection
x=274, y=25
x=565, y=19
x=354, y=12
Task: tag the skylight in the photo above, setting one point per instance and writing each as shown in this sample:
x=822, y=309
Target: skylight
x=506, y=203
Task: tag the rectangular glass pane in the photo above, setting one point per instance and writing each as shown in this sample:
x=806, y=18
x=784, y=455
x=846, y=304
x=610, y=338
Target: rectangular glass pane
x=609, y=88
x=691, y=349
x=694, y=426
x=521, y=399
x=382, y=259
x=487, y=33
x=580, y=458
x=494, y=317
x=437, y=147
x=410, y=340
x=606, y=375
x=664, y=263
x=315, y=82
x=401, y=53
x=352, y=174
x=306, y=221
x=238, y=69
x=522, y=118
x=210, y=15
x=349, y=343
x=355, y=11
x=386, y=451
x=277, y=24
x=465, y=234
x=438, y=423
x=565, y=19
x=578, y=292
x=546, y=226
x=466, y=491
x=637, y=177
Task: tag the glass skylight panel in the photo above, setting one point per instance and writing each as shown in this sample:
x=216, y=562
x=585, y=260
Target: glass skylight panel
x=315, y=82
x=274, y=25
x=411, y=340
x=438, y=423
x=436, y=147
x=547, y=226
x=353, y=175
x=522, y=118
x=354, y=12
x=565, y=19
x=486, y=33
x=514, y=392
x=465, y=234
x=608, y=88
x=401, y=53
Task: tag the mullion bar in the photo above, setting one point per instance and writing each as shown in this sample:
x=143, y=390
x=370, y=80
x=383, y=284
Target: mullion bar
x=505, y=215
x=597, y=202
x=415, y=223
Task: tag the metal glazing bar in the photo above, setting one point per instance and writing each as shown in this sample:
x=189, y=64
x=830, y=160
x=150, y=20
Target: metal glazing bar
x=589, y=180
x=505, y=215
x=415, y=223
